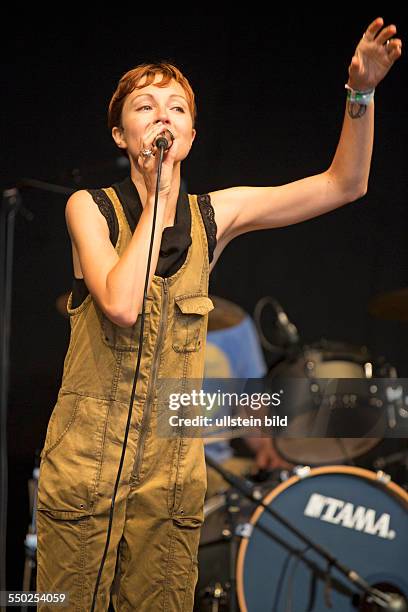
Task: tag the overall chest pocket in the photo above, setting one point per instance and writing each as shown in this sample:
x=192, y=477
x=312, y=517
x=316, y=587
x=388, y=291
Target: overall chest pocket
x=126, y=338
x=189, y=316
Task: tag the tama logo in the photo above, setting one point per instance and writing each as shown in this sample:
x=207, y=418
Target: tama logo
x=339, y=512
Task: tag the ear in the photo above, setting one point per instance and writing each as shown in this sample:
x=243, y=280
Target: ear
x=119, y=137
x=194, y=133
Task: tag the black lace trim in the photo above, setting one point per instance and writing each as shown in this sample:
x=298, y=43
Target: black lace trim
x=208, y=215
x=80, y=290
x=108, y=211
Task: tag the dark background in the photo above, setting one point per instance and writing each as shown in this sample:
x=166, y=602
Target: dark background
x=271, y=99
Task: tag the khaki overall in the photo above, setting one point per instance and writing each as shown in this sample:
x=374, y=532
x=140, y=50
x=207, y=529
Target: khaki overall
x=159, y=503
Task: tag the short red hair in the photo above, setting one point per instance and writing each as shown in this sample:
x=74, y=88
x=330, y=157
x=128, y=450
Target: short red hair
x=129, y=82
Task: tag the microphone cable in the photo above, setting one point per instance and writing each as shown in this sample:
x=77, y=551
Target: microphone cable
x=162, y=144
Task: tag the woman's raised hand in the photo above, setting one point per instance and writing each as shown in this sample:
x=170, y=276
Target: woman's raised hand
x=374, y=55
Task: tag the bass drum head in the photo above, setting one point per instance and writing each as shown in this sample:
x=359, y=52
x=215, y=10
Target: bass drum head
x=361, y=521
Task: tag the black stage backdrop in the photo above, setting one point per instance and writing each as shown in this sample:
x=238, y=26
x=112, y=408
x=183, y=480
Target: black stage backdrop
x=271, y=99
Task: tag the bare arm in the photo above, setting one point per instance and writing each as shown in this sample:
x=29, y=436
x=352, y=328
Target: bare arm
x=116, y=283
x=373, y=58
x=125, y=282
x=244, y=209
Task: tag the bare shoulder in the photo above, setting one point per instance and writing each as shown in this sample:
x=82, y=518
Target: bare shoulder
x=83, y=215
x=85, y=223
x=80, y=204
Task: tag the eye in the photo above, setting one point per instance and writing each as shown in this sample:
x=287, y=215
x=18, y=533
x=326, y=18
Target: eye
x=145, y=106
x=180, y=107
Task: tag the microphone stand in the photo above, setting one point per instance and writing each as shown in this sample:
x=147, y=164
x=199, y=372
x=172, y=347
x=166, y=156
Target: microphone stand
x=11, y=204
x=385, y=601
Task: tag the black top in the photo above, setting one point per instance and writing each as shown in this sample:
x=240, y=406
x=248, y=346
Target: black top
x=175, y=240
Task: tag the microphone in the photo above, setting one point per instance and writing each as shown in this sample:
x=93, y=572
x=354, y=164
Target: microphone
x=164, y=140
x=284, y=323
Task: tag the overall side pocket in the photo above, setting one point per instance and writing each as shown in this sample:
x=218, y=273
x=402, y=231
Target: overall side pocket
x=71, y=460
x=61, y=420
x=188, y=482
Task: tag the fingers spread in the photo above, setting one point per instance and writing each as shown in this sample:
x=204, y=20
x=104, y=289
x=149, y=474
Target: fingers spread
x=385, y=34
x=373, y=28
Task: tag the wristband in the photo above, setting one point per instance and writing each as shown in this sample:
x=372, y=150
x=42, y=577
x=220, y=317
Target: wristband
x=361, y=97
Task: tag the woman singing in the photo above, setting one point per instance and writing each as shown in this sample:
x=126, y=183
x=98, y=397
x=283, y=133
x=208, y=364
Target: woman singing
x=151, y=561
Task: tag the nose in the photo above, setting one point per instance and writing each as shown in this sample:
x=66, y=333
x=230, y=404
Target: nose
x=162, y=116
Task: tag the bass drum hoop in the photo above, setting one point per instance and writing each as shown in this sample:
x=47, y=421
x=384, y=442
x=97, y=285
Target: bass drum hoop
x=398, y=492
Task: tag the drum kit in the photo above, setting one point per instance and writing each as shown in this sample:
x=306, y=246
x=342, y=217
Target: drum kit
x=249, y=560
x=329, y=533
x=347, y=496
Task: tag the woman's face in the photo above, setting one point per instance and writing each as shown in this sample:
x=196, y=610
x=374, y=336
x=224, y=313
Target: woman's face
x=146, y=106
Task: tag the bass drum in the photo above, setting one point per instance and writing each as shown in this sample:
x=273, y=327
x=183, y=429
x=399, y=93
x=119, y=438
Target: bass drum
x=359, y=519
x=330, y=360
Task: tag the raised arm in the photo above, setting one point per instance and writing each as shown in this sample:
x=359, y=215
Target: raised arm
x=244, y=209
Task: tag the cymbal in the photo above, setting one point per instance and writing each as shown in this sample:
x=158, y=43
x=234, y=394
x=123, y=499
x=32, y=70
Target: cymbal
x=391, y=305
x=225, y=314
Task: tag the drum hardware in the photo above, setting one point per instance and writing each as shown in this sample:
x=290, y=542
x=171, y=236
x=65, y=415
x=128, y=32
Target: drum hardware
x=216, y=595
x=30, y=542
x=219, y=595
x=402, y=411
x=244, y=530
x=397, y=401
x=383, y=477
x=233, y=509
x=400, y=458
x=310, y=402
x=302, y=471
x=373, y=595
